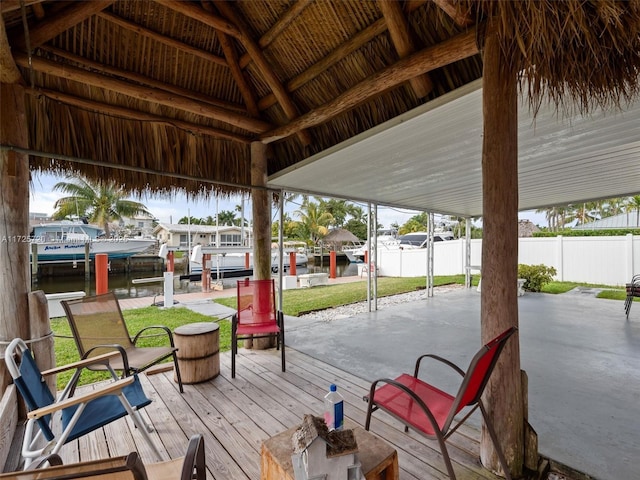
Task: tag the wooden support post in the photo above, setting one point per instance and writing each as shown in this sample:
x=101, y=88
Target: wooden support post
x=499, y=302
x=42, y=346
x=34, y=263
x=292, y=263
x=332, y=264
x=170, y=261
x=102, y=273
x=87, y=262
x=261, y=213
x=206, y=272
x=15, y=278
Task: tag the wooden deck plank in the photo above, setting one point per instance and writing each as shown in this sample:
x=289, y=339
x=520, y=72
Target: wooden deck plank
x=236, y=415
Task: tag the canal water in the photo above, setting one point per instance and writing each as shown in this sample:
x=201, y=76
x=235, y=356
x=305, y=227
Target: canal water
x=123, y=286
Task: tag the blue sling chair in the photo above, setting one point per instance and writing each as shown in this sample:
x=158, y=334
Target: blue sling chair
x=79, y=414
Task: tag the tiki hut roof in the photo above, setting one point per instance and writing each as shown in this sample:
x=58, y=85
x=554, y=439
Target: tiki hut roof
x=165, y=94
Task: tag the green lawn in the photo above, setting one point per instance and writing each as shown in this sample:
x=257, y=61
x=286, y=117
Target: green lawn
x=303, y=300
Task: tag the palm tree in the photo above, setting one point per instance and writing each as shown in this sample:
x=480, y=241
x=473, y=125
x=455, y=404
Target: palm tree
x=313, y=221
x=634, y=204
x=100, y=202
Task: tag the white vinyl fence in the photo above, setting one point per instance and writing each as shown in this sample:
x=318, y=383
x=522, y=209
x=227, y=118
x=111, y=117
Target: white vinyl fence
x=603, y=260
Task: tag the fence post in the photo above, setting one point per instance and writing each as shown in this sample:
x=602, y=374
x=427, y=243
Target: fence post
x=560, y=257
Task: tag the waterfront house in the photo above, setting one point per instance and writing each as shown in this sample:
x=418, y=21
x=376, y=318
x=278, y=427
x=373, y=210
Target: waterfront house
x=181, y=235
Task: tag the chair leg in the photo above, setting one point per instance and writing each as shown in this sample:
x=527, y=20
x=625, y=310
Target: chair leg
x=494, y=439
x=445, y=456
x=234, y=350
x=177, y=368
x=140, y=423
x=281, y=336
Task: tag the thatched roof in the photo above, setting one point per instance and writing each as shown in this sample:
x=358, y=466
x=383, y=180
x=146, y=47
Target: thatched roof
x=183, y=87
x=339, y=236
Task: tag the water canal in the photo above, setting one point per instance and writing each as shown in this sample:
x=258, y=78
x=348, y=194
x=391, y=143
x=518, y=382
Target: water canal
x=123, y=286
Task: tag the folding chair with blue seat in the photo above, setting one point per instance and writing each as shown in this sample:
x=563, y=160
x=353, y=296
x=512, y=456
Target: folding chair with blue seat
x=79, y=414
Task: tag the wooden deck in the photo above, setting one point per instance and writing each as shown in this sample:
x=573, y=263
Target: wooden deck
x=236, y=416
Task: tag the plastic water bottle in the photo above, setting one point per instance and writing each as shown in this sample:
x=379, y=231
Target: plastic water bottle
x=334, y=409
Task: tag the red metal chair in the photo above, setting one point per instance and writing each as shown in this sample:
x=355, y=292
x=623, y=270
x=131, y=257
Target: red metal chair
x=256, y=317
x=429, y=410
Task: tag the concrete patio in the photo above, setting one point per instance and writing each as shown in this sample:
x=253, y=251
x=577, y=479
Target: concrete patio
x=580, y=353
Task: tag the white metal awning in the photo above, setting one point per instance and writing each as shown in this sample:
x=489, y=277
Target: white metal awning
x=430, y=159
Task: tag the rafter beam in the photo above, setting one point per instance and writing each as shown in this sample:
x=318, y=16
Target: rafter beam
x=191, y=10
x=283, y=22
x=74, y=14
x=7, y=6
x=231, y=57
x=461, y=19
x=143, y=80
x=144, y=93
x=263, y=66
x=170, y=42
x=455, y=49
x=348, y=47
x=129, y=114
x=245, y=90
x=399, y=30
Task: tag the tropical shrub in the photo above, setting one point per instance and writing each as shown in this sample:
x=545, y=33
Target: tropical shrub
x=536, y=276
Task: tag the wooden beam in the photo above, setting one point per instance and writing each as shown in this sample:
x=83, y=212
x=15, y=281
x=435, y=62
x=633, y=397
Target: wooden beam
x=191, y=10
x=399, y=30
x=170, y=42
x=461, y=19
x=129, y=114
x=245, y=90
x=277, y=28
x=7, y=6
x=457, y=48
x=144, y=80
x=74, y=14
x=289, y=108
x=9, y=72
x=499, y=302
x=348, y=47
x=141, y=92
x=232, y=61
x=283, y=22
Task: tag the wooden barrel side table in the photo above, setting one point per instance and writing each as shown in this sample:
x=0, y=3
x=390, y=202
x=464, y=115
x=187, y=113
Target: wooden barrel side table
x=198, y=351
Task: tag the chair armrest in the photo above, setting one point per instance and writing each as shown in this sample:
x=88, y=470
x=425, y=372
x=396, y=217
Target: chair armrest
x=116, y=346
x=104, y=358
x=52, y=459
x=440, y=359
x=194, y=460
x=162, y=327
x=414, y=396
x=110, y=389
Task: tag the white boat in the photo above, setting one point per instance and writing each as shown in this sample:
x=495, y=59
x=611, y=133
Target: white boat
x=65, y=240
x=236, y=261
x=391, y=242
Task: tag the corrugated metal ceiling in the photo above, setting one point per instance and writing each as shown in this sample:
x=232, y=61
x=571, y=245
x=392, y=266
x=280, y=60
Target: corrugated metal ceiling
x=430, y=159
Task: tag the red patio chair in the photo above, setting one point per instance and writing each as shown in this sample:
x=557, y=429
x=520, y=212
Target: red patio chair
x=256, y=317
x=429, y=410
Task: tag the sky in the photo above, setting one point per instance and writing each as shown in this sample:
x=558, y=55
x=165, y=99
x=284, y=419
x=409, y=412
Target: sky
x=43, y=198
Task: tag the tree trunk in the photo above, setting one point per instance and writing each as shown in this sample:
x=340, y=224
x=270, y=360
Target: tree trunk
x=261, y=213
x=499, y=310
x=15, y=278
